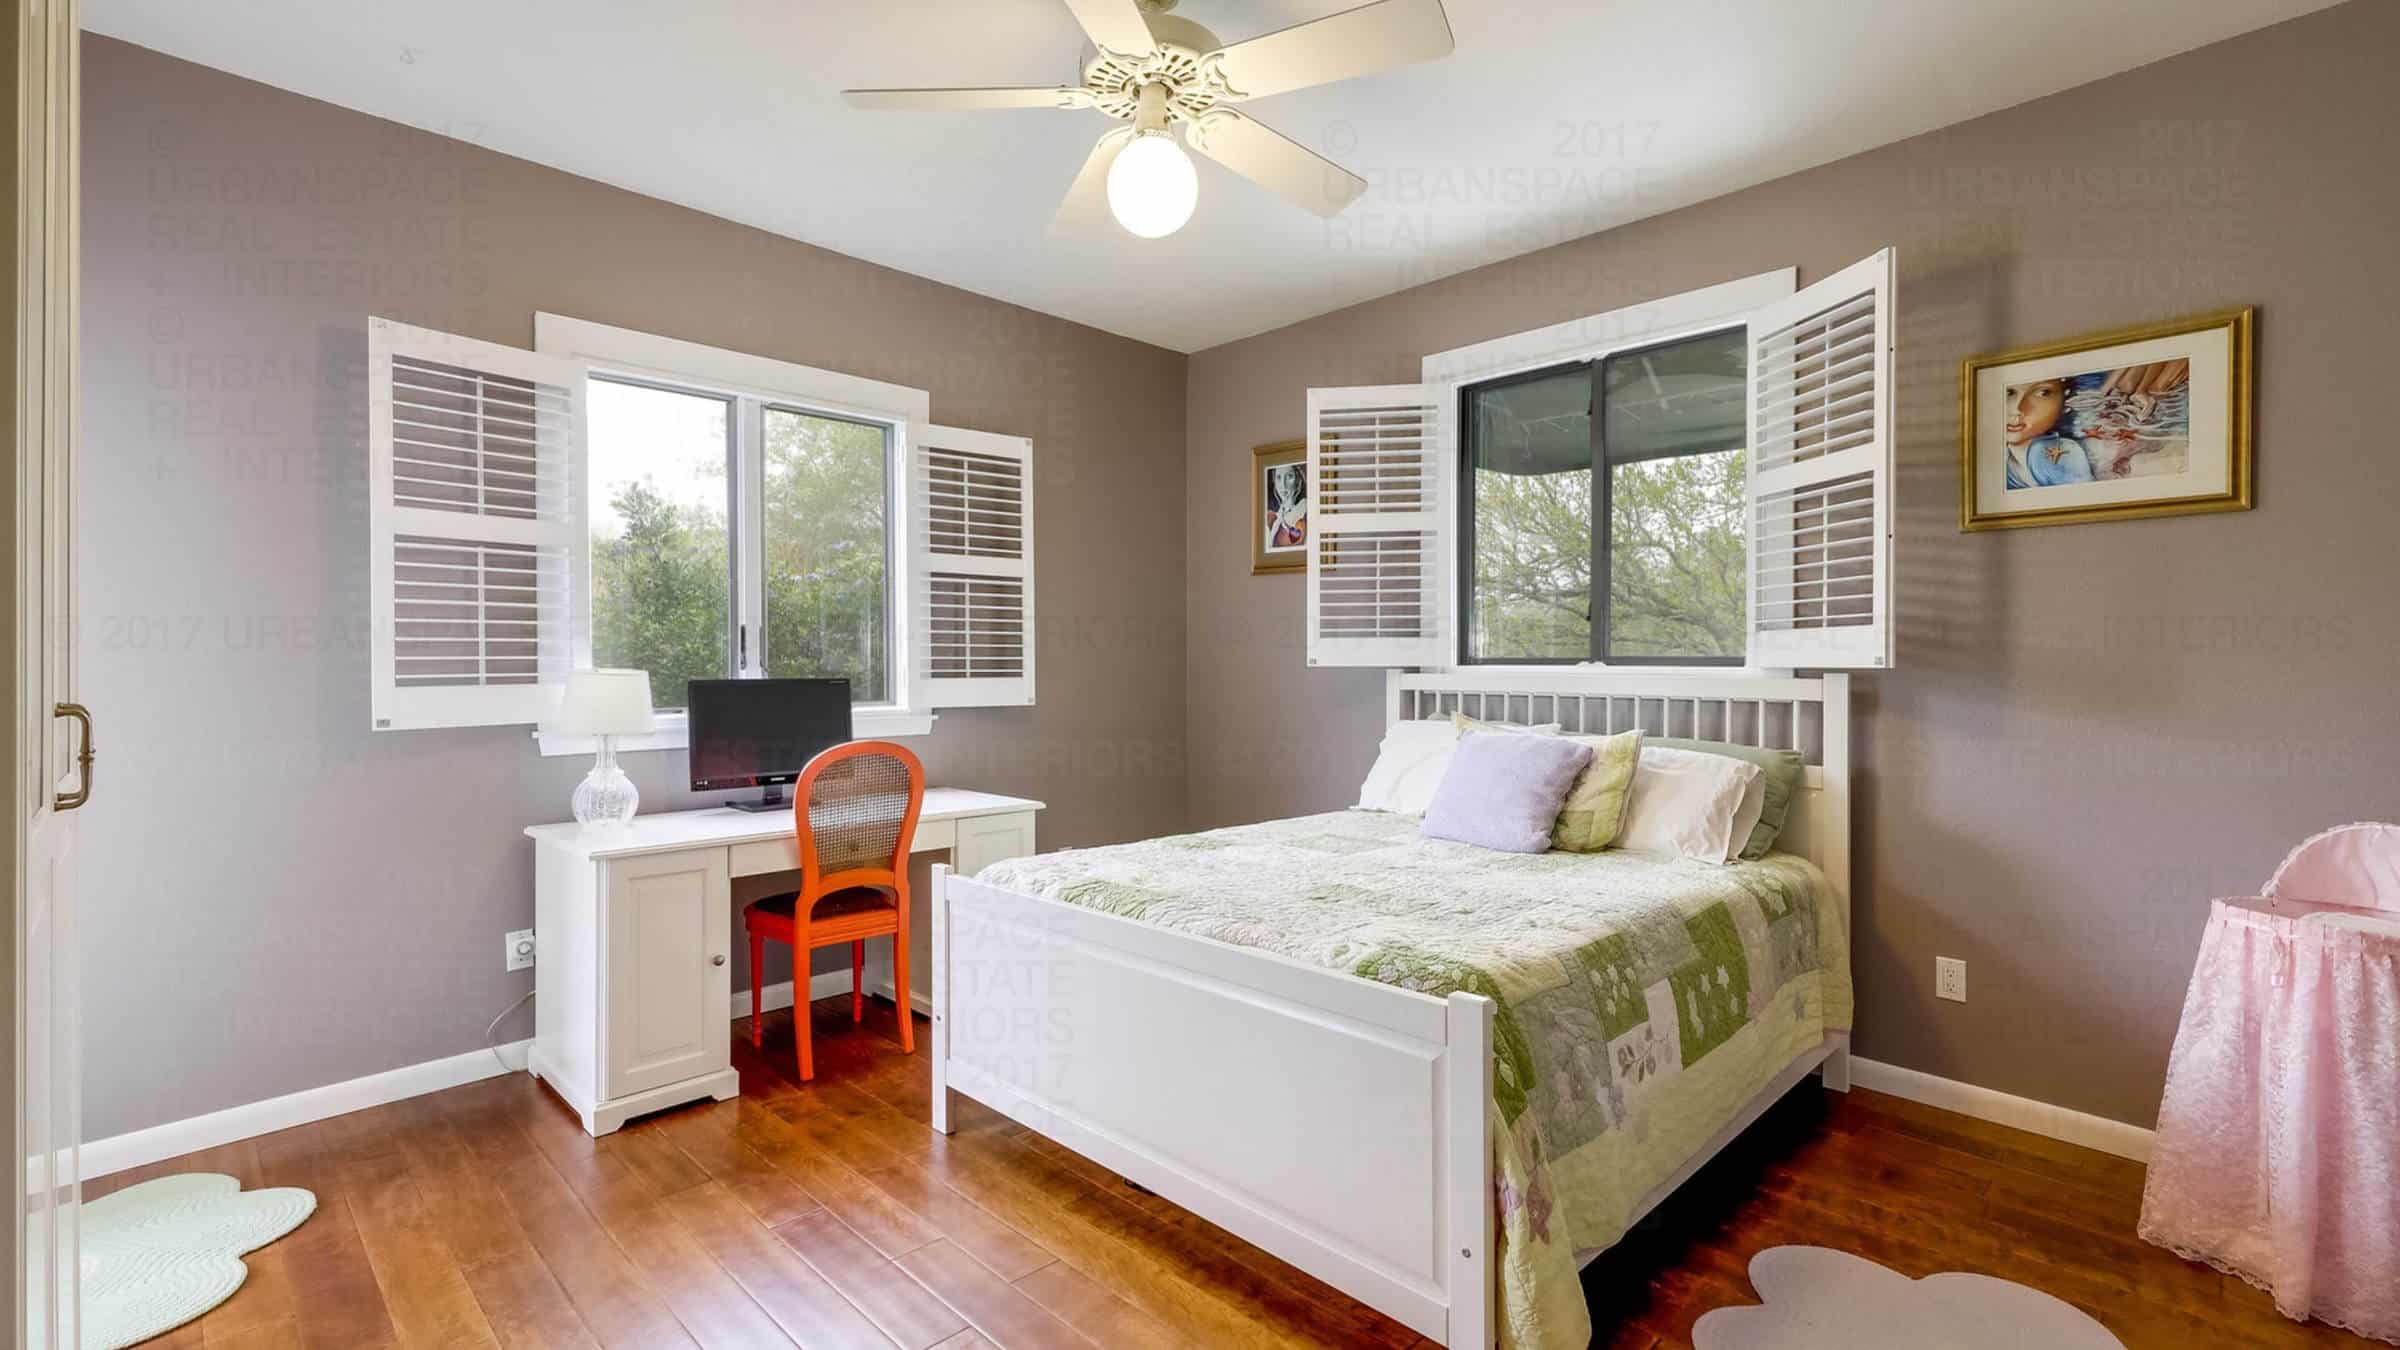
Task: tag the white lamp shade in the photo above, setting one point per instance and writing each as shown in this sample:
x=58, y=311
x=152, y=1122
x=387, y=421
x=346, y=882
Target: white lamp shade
x=604, y=703
x=1152, y=187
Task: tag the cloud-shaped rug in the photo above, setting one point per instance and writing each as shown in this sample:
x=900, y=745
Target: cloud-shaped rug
x=160, y=1253
x=1818, y=1299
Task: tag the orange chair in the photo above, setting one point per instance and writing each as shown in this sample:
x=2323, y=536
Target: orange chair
x=855, y=811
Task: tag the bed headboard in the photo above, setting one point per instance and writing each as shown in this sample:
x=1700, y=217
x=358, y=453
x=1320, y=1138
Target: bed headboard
x=1774, y=712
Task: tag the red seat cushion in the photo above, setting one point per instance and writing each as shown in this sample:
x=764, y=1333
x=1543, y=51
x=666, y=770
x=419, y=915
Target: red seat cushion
x=855, y=900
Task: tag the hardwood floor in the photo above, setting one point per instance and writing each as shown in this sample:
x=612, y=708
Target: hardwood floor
x=830, y=1215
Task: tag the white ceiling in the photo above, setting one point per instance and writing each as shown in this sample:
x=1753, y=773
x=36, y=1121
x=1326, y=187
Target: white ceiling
x=1554, y=118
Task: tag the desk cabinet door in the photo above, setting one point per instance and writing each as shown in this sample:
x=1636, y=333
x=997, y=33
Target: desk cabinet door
x=667, y=970
x=985, y=840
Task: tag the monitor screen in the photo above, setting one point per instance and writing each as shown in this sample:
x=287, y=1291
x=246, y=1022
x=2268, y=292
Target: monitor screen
x=749, y=733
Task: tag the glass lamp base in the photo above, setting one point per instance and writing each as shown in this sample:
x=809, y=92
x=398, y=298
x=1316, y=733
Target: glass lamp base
x=606, y=798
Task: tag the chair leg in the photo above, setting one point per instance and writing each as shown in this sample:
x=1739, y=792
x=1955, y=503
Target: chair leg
x=858, y=981
x=802, y=955
x=758, y=972
x=901, y=1007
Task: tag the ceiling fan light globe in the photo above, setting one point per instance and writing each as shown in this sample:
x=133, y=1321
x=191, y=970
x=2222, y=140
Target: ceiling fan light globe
x=1152, y=187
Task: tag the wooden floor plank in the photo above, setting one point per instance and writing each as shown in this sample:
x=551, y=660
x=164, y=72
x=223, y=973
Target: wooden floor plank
x=521, y=1300
x=335, y=1299
x=708, y=1139
x=282, y=1333
x=808, y=1307
x=710, y=1303
x=431, y=1305
x=1007, y=1252
x=885, y=1223
x=1005, y=1316
x=1104, y=1319
x=905, y=1310
x=828, y=1214
x=607, y=1294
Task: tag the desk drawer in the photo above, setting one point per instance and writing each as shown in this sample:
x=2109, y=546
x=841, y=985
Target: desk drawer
x=783, y=854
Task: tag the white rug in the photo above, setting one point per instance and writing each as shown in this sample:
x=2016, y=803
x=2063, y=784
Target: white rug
x=160, y=1253
x=1817, y=1299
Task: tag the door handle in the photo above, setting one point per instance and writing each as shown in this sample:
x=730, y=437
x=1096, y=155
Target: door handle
x=717, y=960
x=68, y=801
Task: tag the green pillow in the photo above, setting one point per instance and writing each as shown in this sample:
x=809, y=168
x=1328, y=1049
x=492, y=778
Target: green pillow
x=1593, y=814
x=1783, y=768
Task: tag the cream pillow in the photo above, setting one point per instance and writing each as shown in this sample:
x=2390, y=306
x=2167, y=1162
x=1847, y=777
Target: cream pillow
x=1688, y=803
x=1594, y=812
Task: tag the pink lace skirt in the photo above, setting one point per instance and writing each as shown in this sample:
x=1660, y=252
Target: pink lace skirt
x=2278, y=1149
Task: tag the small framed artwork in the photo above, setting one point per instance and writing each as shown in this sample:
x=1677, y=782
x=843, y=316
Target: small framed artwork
x=1279, y=508
x=2145, y=422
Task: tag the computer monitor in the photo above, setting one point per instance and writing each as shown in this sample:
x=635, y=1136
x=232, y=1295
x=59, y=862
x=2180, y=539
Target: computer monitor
x=760, y=733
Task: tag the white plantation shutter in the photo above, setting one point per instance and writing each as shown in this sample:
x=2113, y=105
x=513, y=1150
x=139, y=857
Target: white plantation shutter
x=1375, y=528
x=1820, y=473
x=474, y=452
x=971, y=568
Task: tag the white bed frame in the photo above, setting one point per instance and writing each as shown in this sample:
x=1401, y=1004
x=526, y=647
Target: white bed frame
x=1336, y=1122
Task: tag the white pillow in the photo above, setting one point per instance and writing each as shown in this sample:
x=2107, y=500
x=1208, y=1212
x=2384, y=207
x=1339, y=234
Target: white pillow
x=1745, y=817
x=1413, y=757
x=1690, y=803
x=1409, y=766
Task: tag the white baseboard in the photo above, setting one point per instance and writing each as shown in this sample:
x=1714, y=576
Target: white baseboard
x=177, y=1137
x=103, y=1156
x=2023, y=1113
x=824, y=984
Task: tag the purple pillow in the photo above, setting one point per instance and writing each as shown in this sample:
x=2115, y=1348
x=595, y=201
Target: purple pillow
x=1504, y=791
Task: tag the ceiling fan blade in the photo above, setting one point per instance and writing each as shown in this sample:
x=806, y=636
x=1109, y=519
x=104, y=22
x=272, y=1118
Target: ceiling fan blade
x=1340, y=46
x=1274, y=161
x=1115, y=25
x=944, y=99
x=1085, y=208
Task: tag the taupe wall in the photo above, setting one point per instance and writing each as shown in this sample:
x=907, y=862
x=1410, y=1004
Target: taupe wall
x=2091, y=729
x=275, y=897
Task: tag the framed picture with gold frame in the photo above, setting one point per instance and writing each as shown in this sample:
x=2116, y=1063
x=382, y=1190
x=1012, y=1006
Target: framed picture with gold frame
x=1279, y=508
x=2151, y=421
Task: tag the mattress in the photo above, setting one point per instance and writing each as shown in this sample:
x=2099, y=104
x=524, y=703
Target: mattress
x=1643, y=1001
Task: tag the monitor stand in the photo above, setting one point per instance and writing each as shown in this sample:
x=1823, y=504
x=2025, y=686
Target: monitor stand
x=769, y=798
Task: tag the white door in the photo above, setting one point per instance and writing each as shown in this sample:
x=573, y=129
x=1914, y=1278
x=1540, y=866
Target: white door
x=666, y=964
x=51, y=735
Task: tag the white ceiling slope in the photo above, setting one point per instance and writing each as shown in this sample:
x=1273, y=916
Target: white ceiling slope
x=1555, y=118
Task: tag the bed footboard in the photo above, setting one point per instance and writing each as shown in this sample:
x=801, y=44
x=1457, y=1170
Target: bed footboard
x=1337, y=1123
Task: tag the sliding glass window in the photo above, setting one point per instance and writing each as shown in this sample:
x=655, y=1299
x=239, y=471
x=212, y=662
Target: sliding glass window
x=1615, y=537
x=736, y=535
x=662, y=568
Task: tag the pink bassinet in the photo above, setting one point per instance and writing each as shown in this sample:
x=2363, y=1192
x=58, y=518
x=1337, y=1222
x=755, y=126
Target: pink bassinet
x=2278, y=1149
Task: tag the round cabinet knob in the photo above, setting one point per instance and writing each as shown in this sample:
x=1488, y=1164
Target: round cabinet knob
x=716, y=960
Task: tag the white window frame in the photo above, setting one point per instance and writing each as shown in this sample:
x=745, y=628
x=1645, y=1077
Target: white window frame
x=1710, y=309
x=647, y=358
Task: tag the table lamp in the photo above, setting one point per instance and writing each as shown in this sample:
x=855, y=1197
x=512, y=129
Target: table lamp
x=605, y=704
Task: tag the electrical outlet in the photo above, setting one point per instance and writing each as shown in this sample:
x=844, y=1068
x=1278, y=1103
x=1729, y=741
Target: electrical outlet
x=1950, y=979
x=518, y=948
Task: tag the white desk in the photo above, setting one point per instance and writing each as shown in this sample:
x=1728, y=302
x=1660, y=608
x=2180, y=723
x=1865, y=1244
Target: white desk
x=632, y=1009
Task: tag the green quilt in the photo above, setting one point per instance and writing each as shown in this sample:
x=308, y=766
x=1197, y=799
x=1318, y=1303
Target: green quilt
x=1643, y=1000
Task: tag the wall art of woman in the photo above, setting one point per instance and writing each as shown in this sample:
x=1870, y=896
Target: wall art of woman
x=2100, y=425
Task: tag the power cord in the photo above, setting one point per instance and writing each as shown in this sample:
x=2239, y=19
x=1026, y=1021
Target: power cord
x=494, y=1028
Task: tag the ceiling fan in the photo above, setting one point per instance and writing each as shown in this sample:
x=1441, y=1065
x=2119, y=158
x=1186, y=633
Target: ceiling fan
x=1155, y=70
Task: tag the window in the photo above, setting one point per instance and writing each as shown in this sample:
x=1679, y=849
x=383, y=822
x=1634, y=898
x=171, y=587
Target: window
x=789, y=525
x=617, y=498
x=827, y=538
x=662, y=564
x=679, y=586
x=1699, y=479
x=1617, y=537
